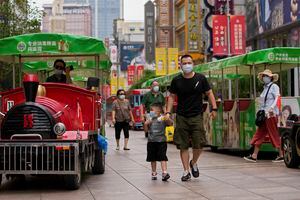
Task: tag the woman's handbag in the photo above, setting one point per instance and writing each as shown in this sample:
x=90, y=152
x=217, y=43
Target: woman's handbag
x=261, y=114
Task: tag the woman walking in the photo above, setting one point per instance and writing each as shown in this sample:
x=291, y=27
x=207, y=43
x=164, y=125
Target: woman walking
x=121, y=117
x=268, y=103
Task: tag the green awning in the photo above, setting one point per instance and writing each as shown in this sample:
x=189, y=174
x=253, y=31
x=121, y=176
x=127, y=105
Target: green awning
x=37, y=50
x=275, y=58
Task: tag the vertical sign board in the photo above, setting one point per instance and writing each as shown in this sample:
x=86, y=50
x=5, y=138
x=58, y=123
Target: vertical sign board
x=140, y=72
x=237, y=35
x=113, y=54
x=113, y=82
x=220, y=38
x=193, y=26
x=161, y=62
x=172, y=60
x=130, y=74
x=149, y=32
x=163, y=23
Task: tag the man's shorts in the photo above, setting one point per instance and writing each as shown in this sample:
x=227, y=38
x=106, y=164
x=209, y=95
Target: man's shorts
x=189, y=129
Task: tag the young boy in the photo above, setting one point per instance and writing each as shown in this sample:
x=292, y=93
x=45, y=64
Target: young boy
x=157, y=146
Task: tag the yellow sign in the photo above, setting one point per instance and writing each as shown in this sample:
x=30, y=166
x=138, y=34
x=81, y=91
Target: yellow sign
x=121, y=83
x=113, y=83
x=172, y=60
x=161, y=61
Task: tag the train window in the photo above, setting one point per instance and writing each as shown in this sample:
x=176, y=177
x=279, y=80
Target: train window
x=131, y=101
x=137, y=101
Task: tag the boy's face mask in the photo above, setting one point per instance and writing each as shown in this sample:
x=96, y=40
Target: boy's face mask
x=152, y=114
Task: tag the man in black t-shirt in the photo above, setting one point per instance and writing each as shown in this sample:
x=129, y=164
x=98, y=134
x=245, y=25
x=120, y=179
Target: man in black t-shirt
x=58, y=76
x=189, y=88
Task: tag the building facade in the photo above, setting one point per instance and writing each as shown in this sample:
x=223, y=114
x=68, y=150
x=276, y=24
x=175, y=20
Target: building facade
x=128, y=31
x=70, y=18
x=103, y=14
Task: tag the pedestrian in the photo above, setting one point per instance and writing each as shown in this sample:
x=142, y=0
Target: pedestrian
x=121, y=118
x=153, y=96
x=157, y=145
x=189, y=88
x=268, y=103
x=59, y=69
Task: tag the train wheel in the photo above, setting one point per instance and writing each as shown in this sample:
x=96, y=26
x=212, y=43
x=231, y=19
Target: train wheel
x=99, y=162
x=73, y=181
x=290, y=156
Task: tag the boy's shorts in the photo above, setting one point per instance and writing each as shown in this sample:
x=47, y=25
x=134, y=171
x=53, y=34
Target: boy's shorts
x=156, y=151
x=189, y=129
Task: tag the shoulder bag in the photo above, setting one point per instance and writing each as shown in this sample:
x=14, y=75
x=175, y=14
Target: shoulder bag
x=261, y=114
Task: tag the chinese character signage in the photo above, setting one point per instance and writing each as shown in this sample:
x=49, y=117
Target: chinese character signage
x=172, y=60
x=113, y=82
x=237, y=35
x=161, y=61
x=193, y=26
x=149, y=32
x=220, y=39
x=130, y=74
x=140, y=72
x=113, y=54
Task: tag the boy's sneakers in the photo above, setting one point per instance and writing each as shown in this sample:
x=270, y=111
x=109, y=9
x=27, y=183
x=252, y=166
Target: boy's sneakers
x=195, y=170
x=118, y=148
x=154, y=176
x=165, y=176
x=186, y=176
x=250, y=158
x=278, y=159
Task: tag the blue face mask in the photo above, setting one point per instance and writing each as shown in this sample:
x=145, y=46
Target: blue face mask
x=152, y=114
x=266, y=79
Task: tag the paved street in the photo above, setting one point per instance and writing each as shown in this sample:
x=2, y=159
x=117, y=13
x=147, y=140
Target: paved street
x=127, y=176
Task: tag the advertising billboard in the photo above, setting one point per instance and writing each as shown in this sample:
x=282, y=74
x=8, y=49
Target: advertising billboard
x=172, y=60
x=113, y=82
x=265, y=15
x=132, y=54
x=221, y=7
x=220, y=37
x=237, y=35
x=130, y=74
x=161, y=61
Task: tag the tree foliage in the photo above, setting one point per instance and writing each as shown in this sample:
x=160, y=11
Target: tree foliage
x=148, y=74
x=16, y=17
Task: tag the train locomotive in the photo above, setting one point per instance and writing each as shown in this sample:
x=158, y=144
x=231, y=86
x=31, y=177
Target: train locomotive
x=53, y=129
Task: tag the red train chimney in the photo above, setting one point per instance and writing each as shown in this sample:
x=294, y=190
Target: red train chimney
x=31, y=84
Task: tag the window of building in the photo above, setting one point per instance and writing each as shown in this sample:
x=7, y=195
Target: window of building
x=132, y=29
x=181, y=41
x=181, y=15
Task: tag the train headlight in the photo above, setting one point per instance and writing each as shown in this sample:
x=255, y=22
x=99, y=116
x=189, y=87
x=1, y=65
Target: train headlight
x=59, y=129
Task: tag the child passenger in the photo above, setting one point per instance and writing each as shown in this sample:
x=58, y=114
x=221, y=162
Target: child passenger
x=157, y=146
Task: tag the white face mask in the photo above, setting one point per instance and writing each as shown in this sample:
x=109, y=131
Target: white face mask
x=266, y=79
x=187, y=68
x=58, y=71
x=155, y=88
x=122, y=96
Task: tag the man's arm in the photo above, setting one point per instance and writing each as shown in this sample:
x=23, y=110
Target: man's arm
x=212, y=100
x=170, y=103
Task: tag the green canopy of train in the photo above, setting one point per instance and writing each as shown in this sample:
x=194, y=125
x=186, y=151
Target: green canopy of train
x=278, y=58
x=38, y=51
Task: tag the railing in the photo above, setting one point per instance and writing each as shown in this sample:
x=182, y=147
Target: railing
x=39, y=158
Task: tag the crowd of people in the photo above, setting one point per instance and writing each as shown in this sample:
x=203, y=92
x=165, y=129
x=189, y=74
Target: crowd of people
x=190, y=87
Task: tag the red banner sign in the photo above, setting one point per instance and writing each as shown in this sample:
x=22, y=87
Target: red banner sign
x=140, y=71
x=130, y=74
x=237, y=35
x=220, y=37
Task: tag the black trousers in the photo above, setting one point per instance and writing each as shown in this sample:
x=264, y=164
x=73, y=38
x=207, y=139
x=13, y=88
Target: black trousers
x=118, y=128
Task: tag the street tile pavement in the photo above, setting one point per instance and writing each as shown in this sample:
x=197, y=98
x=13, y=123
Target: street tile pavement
x=128, y=176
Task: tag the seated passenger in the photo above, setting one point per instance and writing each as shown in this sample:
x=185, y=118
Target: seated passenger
x=58, y=76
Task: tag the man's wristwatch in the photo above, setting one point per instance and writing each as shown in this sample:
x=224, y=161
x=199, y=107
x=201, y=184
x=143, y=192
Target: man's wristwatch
x=214, y=109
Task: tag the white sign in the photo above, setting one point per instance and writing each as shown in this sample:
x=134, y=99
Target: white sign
x=113, y=54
